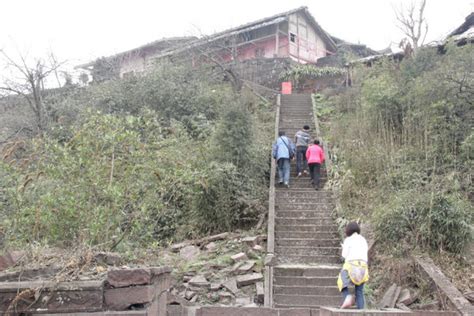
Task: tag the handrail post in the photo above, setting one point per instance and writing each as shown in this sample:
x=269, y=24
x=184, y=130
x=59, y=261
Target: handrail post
x=271, y=219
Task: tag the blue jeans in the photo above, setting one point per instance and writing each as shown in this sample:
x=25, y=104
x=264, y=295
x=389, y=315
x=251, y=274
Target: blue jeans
x=359, y=295
x=301, y=163
x=284, y=170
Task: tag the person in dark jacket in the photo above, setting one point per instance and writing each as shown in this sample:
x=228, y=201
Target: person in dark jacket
x=283, y=150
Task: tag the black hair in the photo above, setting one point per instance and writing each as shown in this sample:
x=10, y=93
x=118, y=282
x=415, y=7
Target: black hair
x=306, y=127
x=281, y=133
x=316, y=142
x=352, y=228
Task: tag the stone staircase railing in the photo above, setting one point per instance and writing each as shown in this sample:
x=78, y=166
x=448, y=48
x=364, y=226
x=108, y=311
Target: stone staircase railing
x=268, y=301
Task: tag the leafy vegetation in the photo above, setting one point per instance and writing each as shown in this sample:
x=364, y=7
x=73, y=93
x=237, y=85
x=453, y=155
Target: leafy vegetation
x=139, y=161
x=402, y=145
x=302, y=72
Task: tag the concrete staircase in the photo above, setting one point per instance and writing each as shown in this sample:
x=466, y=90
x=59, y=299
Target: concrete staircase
x=307, y=247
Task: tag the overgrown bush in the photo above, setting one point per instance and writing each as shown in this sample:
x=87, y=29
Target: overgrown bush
x=141, y=166
x=401, y=140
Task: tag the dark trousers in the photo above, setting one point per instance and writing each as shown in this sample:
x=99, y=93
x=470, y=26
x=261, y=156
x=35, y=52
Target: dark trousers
x=301, y=163
x=315, y=173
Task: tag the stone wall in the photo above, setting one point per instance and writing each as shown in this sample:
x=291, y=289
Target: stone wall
x=140, y=291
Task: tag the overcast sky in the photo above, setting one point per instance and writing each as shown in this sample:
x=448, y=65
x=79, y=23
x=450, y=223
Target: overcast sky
x=82, y=30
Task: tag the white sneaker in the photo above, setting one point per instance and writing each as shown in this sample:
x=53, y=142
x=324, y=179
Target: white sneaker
x=299, y=174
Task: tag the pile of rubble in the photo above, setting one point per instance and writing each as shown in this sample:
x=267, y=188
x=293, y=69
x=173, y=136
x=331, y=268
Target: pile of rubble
x=224, y=269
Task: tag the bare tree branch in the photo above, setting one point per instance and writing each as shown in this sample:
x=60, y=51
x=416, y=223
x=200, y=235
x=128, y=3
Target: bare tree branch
x=413, y=23
x=30, y=82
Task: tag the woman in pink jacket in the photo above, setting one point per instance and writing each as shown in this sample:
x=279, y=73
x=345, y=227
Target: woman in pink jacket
x=315, y=157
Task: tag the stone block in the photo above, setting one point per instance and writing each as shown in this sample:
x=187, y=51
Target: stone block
x=129, y=277
x=122, y=298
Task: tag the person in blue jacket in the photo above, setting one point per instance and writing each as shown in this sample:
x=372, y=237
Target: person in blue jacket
x=283, y=151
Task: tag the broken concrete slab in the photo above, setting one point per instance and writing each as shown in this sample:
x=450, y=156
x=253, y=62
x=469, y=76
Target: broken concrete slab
x=231, y=285
x=388, y=297
x=407, y=297
x=248, y=279
x=199, y=281
x=241, y=256
x=250, y=240
x=247, y=266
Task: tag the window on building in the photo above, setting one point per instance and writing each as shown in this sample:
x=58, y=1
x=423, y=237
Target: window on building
x=293, y=37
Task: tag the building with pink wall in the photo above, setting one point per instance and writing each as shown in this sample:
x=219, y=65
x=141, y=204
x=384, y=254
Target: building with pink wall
x=294, y=35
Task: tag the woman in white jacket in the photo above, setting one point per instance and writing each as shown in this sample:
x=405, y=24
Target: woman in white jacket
x=355, y=271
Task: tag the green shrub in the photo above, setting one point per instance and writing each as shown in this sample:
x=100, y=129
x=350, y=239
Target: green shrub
x=427, y=220
x=401, y=143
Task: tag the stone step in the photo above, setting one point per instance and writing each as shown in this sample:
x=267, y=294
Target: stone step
x=302, y=221
x=307, y=242
x=302, y=179
x=301, y=185
x=305, y=214
x=302, y=122
x=307, y=251
x=296, y=113
x=296, y=192
x=303, y=290
x=304, y=280
x=306, y=234
x=308, y=271
x=298, y=199
x=309, y=301
x=325, y=259
x=303, y=206
x=306, y=228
